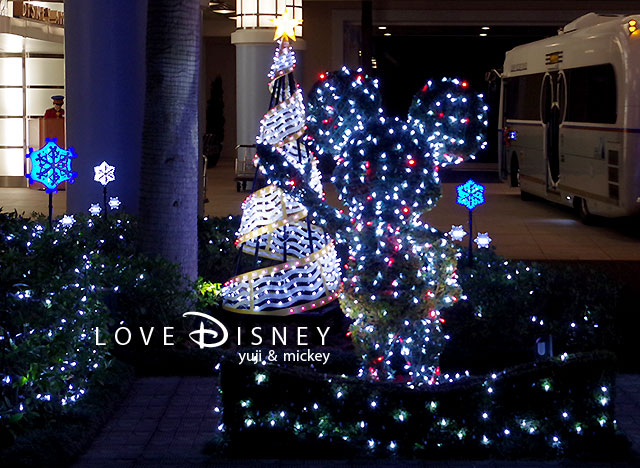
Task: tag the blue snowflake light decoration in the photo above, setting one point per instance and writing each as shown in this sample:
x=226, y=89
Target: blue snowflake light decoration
x=51, y=165
x=470, y=194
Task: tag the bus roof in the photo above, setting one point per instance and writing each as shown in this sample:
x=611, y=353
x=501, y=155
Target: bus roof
x=588, y=40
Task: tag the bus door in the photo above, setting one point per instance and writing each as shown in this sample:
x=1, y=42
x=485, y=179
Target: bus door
x=552, y=104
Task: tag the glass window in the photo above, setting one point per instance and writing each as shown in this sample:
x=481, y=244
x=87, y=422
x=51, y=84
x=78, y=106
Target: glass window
x=591, y=94
x=522, y=97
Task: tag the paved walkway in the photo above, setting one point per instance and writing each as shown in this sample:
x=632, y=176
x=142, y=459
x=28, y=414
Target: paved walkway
x=535, y=230
x=166, y=421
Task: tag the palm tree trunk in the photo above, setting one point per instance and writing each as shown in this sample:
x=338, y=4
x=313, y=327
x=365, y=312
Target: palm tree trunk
x=169, y=173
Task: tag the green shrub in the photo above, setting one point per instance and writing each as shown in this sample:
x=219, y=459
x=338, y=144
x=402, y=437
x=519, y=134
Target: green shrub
x=57, y=287
x=56, y=442
x=510, y=304
x=216, y=248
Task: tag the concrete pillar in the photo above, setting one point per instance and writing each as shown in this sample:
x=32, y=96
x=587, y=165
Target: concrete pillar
x=254, y=55
x=105, y=90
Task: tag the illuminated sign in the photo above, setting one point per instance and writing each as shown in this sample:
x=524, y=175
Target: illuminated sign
x=38, y=13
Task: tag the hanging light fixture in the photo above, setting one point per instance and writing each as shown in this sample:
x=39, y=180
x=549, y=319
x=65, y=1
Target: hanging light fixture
x=260, y=13
x=221, y=8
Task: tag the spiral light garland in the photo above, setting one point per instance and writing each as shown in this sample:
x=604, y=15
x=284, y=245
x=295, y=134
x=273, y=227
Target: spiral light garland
x=278, y=228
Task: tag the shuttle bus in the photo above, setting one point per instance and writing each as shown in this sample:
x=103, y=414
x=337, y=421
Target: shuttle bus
x=569, y=119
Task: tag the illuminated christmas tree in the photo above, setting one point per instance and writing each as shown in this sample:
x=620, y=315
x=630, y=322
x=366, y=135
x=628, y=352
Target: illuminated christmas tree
x=304, y=270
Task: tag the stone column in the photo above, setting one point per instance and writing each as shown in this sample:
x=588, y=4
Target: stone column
x=105, y=89
x=254, y=54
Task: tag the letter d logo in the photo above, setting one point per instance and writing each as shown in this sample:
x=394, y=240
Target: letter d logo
x=198, y=336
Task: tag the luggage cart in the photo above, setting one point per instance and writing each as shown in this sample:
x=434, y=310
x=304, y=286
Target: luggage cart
x=245, y=170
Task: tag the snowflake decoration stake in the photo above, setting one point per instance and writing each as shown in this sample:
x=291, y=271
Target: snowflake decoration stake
x=483, y=240
x=95, y=209
x=457, y=233
x=114, y=203
x=67, y=221
x=470, y=194
x=51, y=165
x=104, y=173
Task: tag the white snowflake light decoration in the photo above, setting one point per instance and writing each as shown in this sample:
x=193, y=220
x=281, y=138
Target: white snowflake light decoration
x=95, y=209
x=114, y=203
x=483, y=240
x=457, y=233
x=104, y=173
x=67, y=221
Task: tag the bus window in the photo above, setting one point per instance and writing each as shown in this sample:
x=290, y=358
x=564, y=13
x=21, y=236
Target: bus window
x=522, y=96
x=591, y=94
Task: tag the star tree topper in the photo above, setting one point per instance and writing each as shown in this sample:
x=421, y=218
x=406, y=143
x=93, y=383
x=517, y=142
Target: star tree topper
x=285, y=26
x=51, y=165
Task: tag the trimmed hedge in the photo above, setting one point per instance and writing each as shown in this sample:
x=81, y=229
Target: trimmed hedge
x=58, y=441
x=56, y=287
x=281, y=412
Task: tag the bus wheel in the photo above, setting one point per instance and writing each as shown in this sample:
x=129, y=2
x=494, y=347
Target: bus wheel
x=515, y=171
x=582, y=208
